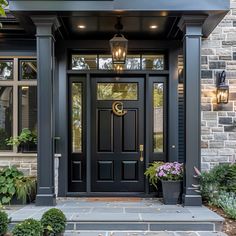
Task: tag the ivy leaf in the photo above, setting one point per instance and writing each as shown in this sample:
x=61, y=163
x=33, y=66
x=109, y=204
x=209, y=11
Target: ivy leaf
x=3, y=190
x=49, y=228
x=12, y=190
x=2, y=179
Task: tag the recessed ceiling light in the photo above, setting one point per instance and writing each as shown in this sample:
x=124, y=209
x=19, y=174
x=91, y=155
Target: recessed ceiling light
x=81, y=26
x=153, y=26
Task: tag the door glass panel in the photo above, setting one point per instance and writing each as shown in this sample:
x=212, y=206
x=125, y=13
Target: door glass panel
x=105, y=62
x=132, y=62
x=76, y=117
x=153, y=62
x=117, y=91
x=158, y=121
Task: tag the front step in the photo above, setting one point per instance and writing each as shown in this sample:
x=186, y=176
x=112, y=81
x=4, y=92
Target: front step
x=145, y=233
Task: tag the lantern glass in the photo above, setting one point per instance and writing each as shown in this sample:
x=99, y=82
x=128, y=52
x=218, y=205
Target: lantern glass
x=222, y=94
x=119, y=46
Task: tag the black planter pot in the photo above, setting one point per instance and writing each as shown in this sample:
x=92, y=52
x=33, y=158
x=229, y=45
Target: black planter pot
x=172, y=192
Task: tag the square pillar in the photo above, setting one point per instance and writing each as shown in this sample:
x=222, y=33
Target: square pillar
x=45, y=27
x=192, y=29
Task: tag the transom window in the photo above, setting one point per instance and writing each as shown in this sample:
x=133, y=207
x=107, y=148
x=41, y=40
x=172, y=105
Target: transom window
x=18, y=99
x=104, y=62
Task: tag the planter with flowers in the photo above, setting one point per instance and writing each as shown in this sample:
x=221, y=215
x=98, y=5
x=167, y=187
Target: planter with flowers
x=171, y=176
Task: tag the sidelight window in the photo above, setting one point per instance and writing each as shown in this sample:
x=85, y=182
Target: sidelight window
x=158, y=117
x=76, y=117
x=6, y=69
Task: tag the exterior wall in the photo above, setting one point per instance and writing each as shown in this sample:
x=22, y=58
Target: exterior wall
x=219, y=122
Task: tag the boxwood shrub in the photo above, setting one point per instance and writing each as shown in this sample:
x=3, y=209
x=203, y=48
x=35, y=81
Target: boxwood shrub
x=3, y=222
x=53, y=222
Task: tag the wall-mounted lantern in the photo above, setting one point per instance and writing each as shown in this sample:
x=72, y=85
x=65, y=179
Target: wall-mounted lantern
x=119, y=45
x=222, y=92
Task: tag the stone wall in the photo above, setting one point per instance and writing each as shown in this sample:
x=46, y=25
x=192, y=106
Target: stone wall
x=219, y=121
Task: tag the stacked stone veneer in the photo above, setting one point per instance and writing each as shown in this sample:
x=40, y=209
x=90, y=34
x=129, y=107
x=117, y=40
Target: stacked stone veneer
x=219, y=121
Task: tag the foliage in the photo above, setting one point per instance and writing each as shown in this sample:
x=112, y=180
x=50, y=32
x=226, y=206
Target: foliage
x=14, y=183
x=170, y=171
x=3, y=222
x=227, y=201
x=53, y=222
x=219, y=178
x=25, y=187
x=151, y=172
x=29, y=227
x=25, y=136
x=7, y=185
x=3, y=4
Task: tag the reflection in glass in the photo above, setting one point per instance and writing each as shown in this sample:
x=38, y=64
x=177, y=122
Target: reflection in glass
x=105, y=62
x=77, y=117
x=6, y=116
x=28, y=70
x=133, y=62
x=84, y=62
x=28, y=108
x=117, y=91
x=158, y=113
x=6, y=70
x=153, y=62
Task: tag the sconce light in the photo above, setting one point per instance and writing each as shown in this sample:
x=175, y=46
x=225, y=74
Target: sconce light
x=222, y=92
x=119, y=45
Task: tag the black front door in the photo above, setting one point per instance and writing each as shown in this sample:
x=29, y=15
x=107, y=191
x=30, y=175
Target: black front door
x=117, y=131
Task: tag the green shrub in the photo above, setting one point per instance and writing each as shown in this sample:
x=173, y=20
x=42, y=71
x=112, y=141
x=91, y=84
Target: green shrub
x=219, y=178
x=29, y=227
x=53, y=222
x=3, y=222
x=227, y=201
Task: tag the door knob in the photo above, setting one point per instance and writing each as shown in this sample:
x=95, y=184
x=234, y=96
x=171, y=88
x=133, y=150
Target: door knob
x=141, y=152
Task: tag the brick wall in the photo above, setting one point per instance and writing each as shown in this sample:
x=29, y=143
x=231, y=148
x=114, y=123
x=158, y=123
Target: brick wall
x=219, y=121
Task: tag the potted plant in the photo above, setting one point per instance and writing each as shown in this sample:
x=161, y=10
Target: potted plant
x=171, y=176
x=27, y=141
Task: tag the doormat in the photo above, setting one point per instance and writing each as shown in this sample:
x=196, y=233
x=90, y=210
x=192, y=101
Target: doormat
x=114, y=199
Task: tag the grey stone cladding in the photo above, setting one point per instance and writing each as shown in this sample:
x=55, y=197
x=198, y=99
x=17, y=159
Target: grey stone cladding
x=218, y=138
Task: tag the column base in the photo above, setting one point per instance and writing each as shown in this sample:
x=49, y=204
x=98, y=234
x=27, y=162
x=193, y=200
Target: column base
x=192, y=200
x=45, y=200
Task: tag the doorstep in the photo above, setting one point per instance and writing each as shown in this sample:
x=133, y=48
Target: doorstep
x=138, y=215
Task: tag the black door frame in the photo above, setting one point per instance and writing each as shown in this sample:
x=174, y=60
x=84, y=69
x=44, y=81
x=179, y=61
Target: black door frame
x=149, y=79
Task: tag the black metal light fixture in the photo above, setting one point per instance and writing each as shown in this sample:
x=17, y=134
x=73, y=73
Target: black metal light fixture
x=222, y=92
x=119, y=45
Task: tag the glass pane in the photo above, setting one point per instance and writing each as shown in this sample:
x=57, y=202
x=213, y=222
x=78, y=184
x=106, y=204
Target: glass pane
x=84, y=62
x=28, y=108
x=158, y=113
x=153, y=62
x=6, y=116
x=28, y=70
x=105, y=62
x=117, y=91
x=6, y=70
x=133, y=62
x=77, y=117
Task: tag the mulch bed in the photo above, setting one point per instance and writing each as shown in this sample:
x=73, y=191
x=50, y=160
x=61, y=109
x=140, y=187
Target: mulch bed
x=229, y=224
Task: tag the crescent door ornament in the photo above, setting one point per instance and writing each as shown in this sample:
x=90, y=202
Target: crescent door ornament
x=118, y=108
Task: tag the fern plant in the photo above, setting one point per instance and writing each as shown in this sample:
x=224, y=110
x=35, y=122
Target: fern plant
x=151, y=172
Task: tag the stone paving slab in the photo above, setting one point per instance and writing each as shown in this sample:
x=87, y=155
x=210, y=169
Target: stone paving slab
x=144, y=233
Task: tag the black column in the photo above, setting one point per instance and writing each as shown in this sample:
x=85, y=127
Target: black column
x=192, y=28
x=45, y=27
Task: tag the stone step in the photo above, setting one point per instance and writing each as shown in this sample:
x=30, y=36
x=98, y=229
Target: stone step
x=142, y=233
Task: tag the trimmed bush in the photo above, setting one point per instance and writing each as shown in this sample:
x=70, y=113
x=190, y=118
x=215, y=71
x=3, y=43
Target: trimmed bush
x=29, y=227
x=3, y=222
x=53, y=222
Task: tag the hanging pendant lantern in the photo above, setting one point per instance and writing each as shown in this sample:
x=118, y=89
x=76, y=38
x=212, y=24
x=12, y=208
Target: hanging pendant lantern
x=119, y=45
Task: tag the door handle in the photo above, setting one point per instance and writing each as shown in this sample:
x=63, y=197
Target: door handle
x=141, y=147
